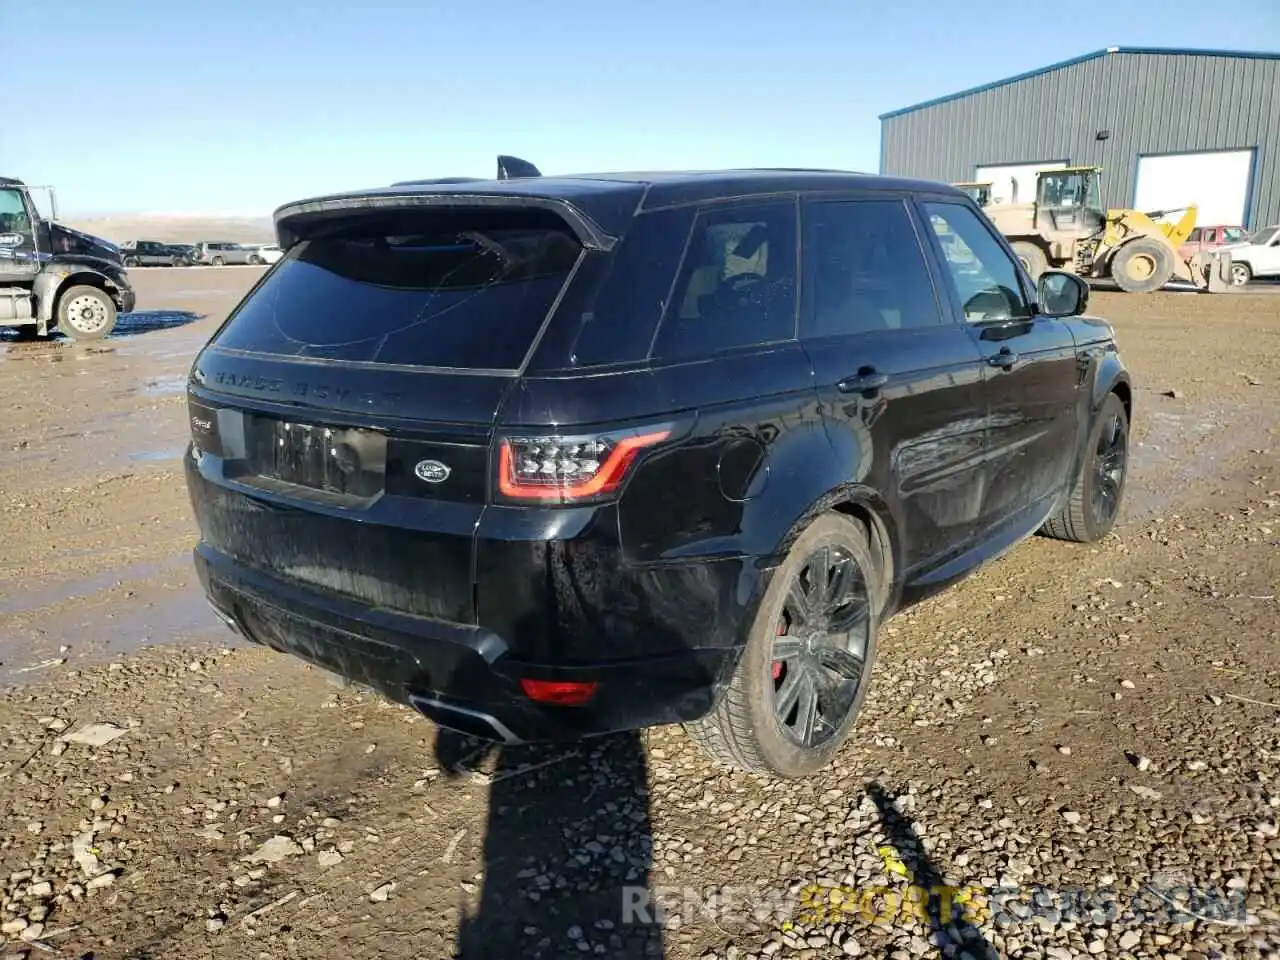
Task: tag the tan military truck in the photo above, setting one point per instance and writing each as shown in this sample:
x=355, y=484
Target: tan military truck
x=1067, y=228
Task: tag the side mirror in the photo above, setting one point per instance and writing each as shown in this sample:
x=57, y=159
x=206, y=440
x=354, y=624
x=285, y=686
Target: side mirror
x=1061, y=294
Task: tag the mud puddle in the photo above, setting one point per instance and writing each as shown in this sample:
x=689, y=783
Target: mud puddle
x=1179, y=447
x=88, y=628
x=55, y=593
x=156, y=456
x=167, y=385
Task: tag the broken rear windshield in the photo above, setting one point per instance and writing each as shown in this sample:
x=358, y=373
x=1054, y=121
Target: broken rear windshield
x=439, y=293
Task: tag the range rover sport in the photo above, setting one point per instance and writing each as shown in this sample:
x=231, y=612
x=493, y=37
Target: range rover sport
x=549, y=457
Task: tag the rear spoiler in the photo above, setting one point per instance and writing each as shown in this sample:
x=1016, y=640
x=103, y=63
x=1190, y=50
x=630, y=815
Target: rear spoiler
x=296, y=221
x=509, y=168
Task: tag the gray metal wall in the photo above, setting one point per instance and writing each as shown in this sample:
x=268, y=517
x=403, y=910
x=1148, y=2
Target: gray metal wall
x=1151, y=103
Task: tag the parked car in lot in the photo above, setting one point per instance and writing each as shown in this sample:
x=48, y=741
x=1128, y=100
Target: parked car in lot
x=265, y=253
x=593, y=453
x=221, y=252
x=1202, y=239
x=187, y=251
x=153, y=253
x=1258, y=256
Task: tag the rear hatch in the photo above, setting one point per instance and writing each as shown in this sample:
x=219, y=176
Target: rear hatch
x=344, y=412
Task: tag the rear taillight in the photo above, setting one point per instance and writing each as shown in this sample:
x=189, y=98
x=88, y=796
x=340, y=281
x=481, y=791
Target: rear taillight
x=568, y=469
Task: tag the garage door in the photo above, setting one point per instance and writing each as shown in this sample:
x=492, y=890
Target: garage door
x=1005, y=177
x=1217, y=182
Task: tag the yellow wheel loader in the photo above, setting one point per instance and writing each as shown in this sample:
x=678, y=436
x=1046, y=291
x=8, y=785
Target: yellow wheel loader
x=979, y=192
x=1067, y=228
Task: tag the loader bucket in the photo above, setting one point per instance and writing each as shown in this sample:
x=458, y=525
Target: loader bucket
x=1211, y=270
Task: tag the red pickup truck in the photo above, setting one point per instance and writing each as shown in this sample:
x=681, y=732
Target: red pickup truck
x=1206, y=238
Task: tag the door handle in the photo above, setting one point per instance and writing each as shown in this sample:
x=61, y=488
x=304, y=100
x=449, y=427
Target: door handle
x=1005, y=359
x=863, y=382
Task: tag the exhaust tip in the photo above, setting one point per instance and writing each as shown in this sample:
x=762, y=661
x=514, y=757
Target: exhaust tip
x=473, y=723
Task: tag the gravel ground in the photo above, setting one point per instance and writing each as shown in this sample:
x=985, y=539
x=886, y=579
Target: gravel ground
x=1076, y=752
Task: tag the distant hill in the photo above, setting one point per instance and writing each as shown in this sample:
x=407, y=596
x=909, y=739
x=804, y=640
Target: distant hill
x=176, y=228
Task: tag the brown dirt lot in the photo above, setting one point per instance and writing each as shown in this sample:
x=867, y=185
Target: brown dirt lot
x=1070, y=719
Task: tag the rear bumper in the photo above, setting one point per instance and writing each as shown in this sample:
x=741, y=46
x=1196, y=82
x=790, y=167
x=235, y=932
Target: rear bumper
x=461, y=676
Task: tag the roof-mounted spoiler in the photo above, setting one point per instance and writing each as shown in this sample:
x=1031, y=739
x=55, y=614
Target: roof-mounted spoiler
x=509, y=168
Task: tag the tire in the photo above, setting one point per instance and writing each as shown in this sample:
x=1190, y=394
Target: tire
x=1241, y=274
x=130, y=261
x=256, y=261
x=744, y=729
x=1081, y=520
x=175, y=262
x=85, y=313
x=1142, y=266
x=1033, y=259
x=219, y=262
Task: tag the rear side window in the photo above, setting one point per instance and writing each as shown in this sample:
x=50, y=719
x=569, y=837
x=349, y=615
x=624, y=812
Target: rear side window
x=630, y=300
x=866, y=270
x=434, y=291
x=737, y=286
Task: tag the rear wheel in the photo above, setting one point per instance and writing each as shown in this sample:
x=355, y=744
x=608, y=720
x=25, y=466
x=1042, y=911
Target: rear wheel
x=218, y=262
x=86, y=313
x=806, y=666
x=1241, y=273
x=1091, y=511
x=130, y=261
x=256, y=261
x=1142, y=266
x=1032, y=258
x=175, y=261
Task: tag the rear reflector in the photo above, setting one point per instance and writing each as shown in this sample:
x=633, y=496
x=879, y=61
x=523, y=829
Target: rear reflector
x=564, y=693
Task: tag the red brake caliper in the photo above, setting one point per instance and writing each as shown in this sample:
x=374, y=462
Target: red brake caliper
x=777, y=664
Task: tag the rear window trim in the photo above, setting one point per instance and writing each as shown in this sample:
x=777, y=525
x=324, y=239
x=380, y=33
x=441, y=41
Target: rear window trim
x=371, y=365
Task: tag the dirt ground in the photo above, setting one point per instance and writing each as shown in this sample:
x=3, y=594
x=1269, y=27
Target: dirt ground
x=1070, y=722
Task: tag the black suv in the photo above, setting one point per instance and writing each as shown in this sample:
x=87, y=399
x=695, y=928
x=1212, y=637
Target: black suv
x=153, y=253
x=551, y=457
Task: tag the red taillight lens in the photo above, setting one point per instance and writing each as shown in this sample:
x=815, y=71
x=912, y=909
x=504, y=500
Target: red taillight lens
x=563, y=693
x=563, y=469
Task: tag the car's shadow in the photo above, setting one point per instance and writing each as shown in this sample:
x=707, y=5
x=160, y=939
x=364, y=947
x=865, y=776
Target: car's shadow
x=127, y=325
x=947, y=911
x=150, y=321
x=567, y=849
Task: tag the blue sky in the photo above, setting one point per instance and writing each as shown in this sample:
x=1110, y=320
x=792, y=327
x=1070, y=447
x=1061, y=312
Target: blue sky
x=227, y=105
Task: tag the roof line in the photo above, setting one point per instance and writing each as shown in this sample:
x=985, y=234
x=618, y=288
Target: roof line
x=1173, y=51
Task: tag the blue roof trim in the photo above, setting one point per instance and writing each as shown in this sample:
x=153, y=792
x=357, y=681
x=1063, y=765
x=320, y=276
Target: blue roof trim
x=1168, y=51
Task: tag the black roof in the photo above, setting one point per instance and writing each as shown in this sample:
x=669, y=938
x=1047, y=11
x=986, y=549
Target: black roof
x=601, y=205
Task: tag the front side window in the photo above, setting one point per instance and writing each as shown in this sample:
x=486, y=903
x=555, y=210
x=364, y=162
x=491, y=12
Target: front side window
x=865, y=270
x=737, y=286
x=983, y=277
x=13, y=213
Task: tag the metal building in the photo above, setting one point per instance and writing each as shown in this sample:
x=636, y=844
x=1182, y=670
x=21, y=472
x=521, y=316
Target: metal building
x=1168, y=127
